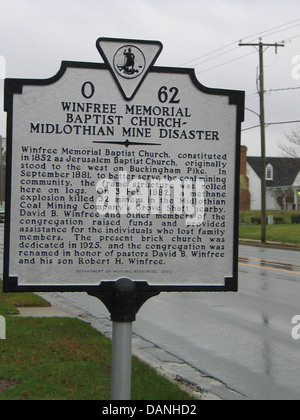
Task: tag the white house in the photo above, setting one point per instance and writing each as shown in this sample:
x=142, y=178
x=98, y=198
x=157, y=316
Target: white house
x=282, y=180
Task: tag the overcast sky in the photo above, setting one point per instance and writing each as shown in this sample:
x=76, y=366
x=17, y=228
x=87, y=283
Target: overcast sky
x=36, y=35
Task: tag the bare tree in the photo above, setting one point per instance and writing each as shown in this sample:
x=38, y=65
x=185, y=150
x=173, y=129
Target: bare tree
x=292, y=147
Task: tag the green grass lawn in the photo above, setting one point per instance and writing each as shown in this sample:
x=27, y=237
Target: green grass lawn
x=275, y=233
x=284, y=233
x=65, y=359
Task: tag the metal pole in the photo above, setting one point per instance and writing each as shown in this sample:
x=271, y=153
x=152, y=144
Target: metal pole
x=122, y=315
x=121, y=361
x=261, y=46
x=263, y=143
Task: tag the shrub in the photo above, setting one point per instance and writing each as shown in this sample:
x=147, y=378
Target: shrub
x=295, y=218
x=279, y=221
x=256, y=220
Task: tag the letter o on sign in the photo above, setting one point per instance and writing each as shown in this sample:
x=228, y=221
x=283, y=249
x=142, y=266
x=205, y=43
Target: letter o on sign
x=88, y=90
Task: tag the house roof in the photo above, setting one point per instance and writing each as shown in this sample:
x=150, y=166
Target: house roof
x=285, y=170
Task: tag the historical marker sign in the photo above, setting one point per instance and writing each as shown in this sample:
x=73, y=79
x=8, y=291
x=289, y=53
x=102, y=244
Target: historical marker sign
x=121, y=169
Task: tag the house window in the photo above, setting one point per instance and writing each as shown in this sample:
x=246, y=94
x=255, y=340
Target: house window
x=269, y=172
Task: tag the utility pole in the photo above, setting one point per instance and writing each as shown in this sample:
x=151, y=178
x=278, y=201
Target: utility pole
x=261, y=46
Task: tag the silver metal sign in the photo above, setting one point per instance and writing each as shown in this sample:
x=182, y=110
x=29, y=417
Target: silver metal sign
x=121, y=169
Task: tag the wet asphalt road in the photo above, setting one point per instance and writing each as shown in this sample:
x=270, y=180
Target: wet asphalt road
x=242, y=339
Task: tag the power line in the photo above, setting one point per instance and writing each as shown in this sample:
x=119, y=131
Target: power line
x=290, y=39
x=253, y=95
x=282, y=89
x=234, y=43
x=282, y=30
x=219, y=55
x=209, y=53
x=274, y=123
x=227, y=62
x=282, y=123
x=271, y=29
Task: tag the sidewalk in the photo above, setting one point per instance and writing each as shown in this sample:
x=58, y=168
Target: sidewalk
x=48, y=312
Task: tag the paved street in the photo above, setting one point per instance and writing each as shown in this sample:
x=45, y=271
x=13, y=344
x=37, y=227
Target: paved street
x=242, y=340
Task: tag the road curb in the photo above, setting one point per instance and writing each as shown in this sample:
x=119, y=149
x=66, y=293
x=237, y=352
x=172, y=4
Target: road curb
x=268, y=244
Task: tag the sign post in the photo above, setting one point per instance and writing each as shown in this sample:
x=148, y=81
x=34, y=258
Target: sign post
x=121, y=361
x=120, y=171
x=124, y=292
